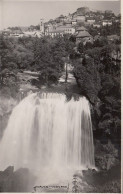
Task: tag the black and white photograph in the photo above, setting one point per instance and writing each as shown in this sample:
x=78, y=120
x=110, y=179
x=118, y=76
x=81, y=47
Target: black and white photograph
x=60, y=96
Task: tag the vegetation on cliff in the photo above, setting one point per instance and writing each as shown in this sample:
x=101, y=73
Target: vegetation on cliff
x=98, y=76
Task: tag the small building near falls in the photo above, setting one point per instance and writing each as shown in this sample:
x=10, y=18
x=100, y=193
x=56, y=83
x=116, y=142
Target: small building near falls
x=83, y=36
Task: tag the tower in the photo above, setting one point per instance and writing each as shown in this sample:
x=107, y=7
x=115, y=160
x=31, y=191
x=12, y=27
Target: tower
x=42, y=25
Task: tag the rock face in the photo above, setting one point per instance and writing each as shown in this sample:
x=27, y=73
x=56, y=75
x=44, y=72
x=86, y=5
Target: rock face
x=6, y=177
x=106, y=181
x=19, y=181
x=6, y=106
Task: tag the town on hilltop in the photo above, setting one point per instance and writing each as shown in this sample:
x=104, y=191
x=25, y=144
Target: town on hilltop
x=85, y=25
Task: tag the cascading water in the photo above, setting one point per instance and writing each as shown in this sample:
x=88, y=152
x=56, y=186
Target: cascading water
x=46, y=133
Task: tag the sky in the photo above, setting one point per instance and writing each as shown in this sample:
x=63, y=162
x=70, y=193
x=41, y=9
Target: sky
x=29, y=12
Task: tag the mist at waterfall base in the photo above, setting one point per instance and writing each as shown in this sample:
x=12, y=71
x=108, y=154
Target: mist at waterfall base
x=50, y=136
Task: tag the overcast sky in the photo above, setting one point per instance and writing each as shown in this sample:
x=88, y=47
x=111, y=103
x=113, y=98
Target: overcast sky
x=28, y=12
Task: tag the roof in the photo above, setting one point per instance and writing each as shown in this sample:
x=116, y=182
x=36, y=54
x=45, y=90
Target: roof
x=16, y=32
x=56, y=31
x=107, y=21
x=97, y=23
x=113, y=37
x=90, y=18
x=66, y=26
x=68, y=22
x=74, y=20
x=83, y=34
x=61, y=16
x=80, y=14
x=82, y=28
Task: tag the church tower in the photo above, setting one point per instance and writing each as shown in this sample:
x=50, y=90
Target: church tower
x=42, y=25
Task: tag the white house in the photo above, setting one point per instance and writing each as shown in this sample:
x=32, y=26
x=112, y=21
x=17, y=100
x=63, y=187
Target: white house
x=55, y=32
x=80, y=18
x=67, y=29
x=106, y=22
x=96, y=25
x=90, y=20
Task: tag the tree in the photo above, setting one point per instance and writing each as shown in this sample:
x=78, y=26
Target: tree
x=80, y=47
x=49, y=58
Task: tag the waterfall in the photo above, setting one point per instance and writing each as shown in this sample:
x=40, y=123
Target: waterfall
x=45, y=131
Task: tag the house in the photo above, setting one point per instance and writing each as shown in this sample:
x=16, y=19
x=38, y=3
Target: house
x=67, y=22
x=117, y=20
x=35, y=33
x=68, y=29
x=106, y=22
x=60, y=30
x=6, y=32
x=16, y=33
x=59, y=24
x=61, y=18
x=83, y=36
x=112, y=38
x=80, y=18
x=65, y=18
x=69, y=17
x=97, y=25
x=55, y=32
x=90, y=20
x=49, y=27
x=74, y=16
x=108, y=11
x=74, y=22
x=79, y=29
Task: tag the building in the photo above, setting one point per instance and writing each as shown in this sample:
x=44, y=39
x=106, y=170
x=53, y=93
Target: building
x=106, y=22
x=108, y=11
x=96, y=25
x=74, y=16
x=84, y=37
x=74, y=22
x=61, y=18
x=59, y=24
x=90, y=20
x=55, y=32
x=6, y=32
x=117, y=20
x=67, y=22
x=79, y=29
x=60, y=30
x=69, y=17
x=49, y=27
x=113, y=38
x=42, y=26
x=35, y=33
x=80, y=18
x=68, y=29
x=16, y=33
